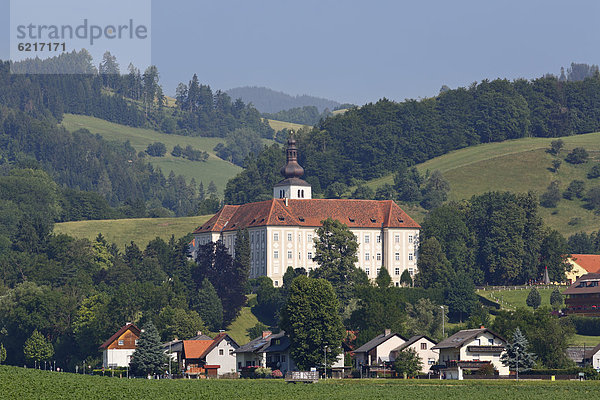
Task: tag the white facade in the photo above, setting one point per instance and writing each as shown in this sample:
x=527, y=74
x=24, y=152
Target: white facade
x=292, y=191
x=113, y=358
x=378, y=354
x=275, y=248
x=424, y=349
x=223, y=356
x=463, y=353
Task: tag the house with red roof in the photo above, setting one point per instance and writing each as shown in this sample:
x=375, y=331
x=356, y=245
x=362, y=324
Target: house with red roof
x=283, y=229
x=210, y=358
x=583, y=264
x=117, y=350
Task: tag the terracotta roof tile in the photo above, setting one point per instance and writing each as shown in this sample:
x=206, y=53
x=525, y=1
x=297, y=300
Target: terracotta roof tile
x=196, y=348
x=310, y=213
x=589, y=262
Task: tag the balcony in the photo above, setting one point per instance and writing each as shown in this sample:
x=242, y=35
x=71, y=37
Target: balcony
x=485, y=349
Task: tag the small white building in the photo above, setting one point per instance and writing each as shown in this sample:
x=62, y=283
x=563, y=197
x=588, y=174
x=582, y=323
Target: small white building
x=471, y=349
x=118, y=349
x=423, y=346
x=378, y=351
x=212, y=358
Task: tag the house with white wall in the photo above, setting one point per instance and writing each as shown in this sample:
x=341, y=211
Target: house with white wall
x=470, y=349
x=378, y=351
x=118, y=349
x=212, y=358
x=423, y=346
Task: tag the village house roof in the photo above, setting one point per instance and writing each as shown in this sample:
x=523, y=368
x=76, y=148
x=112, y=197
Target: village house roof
x=589, y=262
x=309, y=213
x=122, y=330
x=412, y=341
x=590, y=353
x=201, y=348
x=379, y=339
x=586, y=284
x=459, y=338
x=266, y=344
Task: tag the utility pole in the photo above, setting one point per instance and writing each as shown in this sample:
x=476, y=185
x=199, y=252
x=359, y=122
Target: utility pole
x=325, y=358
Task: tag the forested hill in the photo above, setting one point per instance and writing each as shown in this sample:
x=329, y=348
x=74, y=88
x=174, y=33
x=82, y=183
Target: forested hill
x=270, y=101
x=381, y=138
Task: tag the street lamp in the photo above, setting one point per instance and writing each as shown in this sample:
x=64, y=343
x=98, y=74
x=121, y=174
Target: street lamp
x=443, y=319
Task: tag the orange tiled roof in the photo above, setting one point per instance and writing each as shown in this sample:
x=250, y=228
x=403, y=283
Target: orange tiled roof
x=589, y=262
x=310, y=213
x=196, y=348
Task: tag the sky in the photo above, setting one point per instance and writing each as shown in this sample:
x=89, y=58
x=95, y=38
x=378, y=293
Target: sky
x=359, y=51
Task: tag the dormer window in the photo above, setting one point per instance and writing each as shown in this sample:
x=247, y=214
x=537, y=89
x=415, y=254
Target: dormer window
x=373, y=220
x=281, y=218
x=350, y=219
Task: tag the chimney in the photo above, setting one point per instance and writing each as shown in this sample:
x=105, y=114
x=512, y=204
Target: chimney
x=286, y=201
x=266, y=334
x=481, y=327
x=387, y=332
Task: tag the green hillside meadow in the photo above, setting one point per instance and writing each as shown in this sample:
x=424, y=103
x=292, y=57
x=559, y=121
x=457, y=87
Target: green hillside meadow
x=519, y=166
x=214, y=169
x=140, y=230
x=19, y=383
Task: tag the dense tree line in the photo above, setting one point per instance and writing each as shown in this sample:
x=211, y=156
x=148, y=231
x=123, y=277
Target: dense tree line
x=307, y=115
x=495, y=238
x=84, y=162
x=270, y=101
x=385, y=137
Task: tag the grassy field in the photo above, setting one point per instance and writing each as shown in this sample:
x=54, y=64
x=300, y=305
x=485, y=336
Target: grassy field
x=519, y=166
x=140, y=230
x=28, y=384
x=238, y=328
x=279, y=125
x=214, y=169
x=512, y=299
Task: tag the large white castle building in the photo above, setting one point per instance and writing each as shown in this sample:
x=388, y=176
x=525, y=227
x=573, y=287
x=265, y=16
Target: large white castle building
x=283, y=230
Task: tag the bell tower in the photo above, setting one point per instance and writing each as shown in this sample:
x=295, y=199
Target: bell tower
x=292, y=187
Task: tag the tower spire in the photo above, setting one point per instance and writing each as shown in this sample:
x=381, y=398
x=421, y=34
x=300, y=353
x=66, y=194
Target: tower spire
x=292, y=187
x=292, y=169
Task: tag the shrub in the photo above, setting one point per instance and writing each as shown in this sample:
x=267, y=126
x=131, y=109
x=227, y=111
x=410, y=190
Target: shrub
x=594, y=172
x=156, y=149
x=487, y=370
x=277, y=374
x=578, y=156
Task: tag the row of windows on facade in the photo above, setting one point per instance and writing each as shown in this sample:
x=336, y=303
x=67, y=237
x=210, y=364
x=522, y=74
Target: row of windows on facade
x=367, y=238
x=300, y=193
x=309, y=256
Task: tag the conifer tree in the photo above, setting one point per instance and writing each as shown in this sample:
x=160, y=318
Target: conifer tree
x=516, y=356
x=383, y=280
x=406, y=279
x=534, y=299
x=149, y=357
x=556, y=298
x=209, y=306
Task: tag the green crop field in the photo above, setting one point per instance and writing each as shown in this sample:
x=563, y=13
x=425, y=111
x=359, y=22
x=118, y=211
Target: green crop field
x=519, y=166
x=19, y=383
x=140, y=230
x=214, y=169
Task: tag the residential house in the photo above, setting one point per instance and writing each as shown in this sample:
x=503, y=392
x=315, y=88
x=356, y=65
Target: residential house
x=273, y=351
x=282, y=230
x=118, y=349
x=174, y=348
x=269, y=350
x=582, y=264
x=423, y=346
x=378, y=351
x=470, y=349
x=583, y=296
x=211, y=358
x=592, y=357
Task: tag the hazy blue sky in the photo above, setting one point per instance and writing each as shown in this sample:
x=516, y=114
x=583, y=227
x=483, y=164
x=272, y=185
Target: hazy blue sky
x=361, y=51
